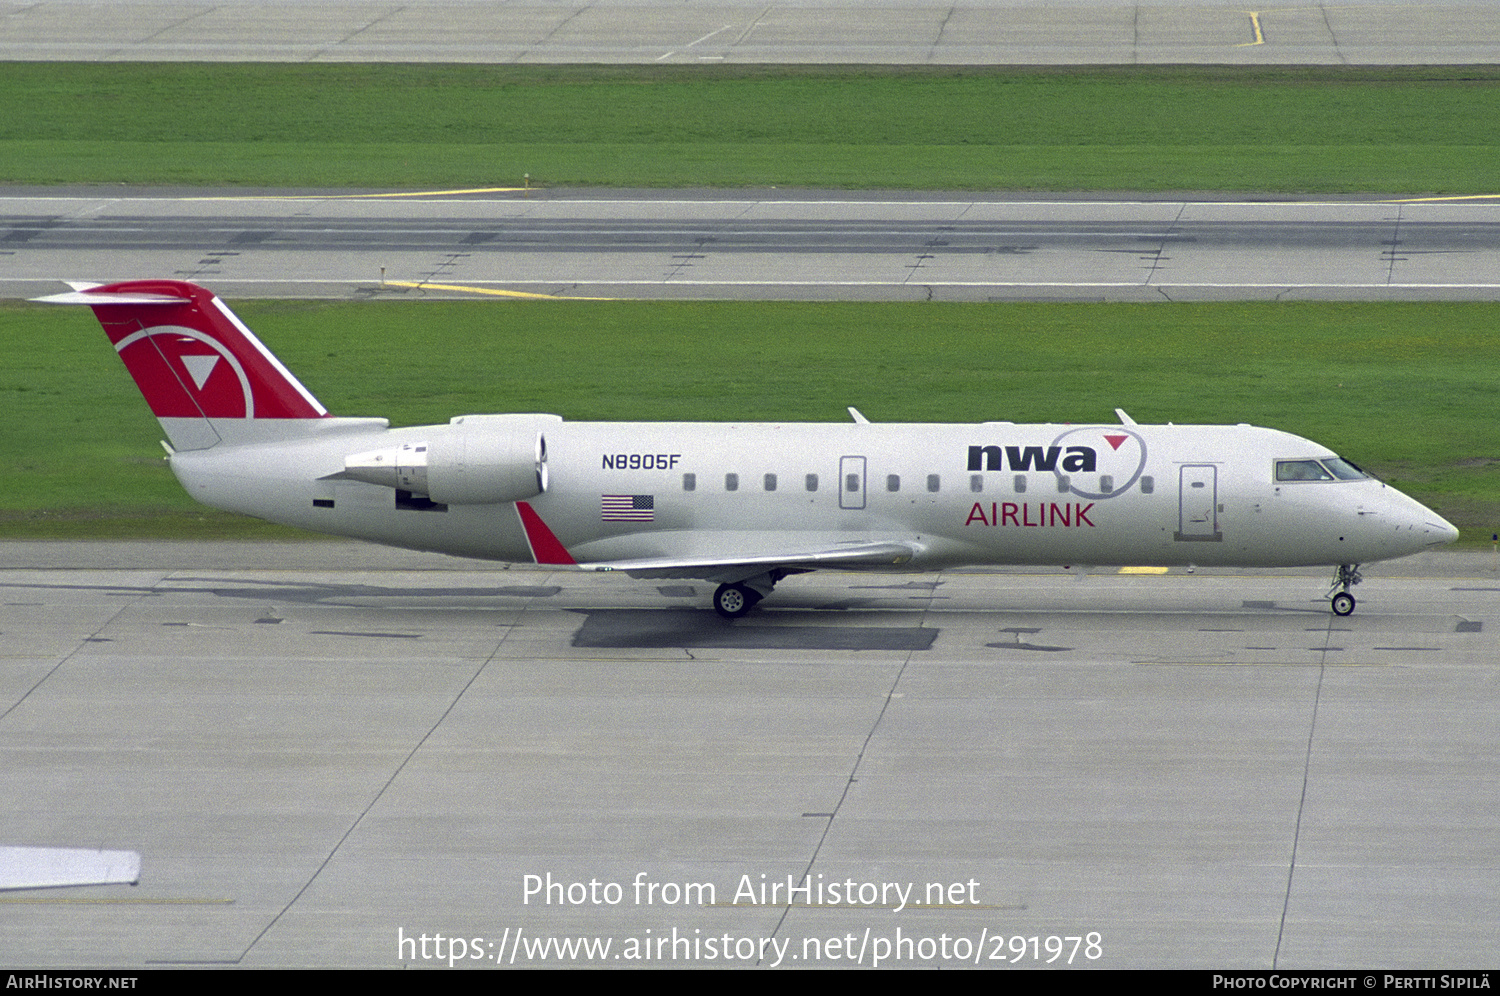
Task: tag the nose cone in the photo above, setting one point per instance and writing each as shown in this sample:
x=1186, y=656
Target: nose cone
x=1392, y=524
x=1442, y=531
x=1423, y=528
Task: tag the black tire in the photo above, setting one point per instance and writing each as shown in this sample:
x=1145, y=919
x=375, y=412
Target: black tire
x=1343, y=604
x=734, y=600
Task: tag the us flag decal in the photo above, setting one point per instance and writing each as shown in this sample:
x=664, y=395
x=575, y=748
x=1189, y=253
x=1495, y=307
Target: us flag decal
x=628, y=508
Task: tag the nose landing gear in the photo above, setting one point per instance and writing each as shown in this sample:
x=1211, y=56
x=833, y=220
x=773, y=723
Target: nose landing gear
x=1347, y=577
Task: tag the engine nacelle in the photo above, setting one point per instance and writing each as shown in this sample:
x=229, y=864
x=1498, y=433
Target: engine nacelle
x=473, y=460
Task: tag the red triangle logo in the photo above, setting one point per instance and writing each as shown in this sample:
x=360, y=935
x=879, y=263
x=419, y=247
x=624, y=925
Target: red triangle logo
x=1115, y=441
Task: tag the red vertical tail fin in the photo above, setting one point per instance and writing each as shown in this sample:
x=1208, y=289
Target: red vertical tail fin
x=206, y=376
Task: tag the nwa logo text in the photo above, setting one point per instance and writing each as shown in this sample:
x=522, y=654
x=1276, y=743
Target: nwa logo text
x=1074, y=459
x=1094, y=463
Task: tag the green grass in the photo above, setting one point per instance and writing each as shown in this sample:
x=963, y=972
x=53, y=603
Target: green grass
x=1405, y=390
x=1330, y=129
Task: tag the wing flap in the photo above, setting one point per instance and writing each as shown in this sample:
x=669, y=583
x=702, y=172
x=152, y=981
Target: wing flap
x=885, y=555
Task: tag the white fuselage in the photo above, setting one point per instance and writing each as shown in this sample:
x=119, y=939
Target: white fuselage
x=993, y=493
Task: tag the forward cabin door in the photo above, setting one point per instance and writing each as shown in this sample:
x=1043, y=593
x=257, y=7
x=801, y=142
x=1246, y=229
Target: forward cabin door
x=1198, y=504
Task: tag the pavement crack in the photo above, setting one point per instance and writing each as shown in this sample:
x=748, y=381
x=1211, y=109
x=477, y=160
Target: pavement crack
x=1391, y=254
x=379, y=794
x=1156, y=257
x=1312, y=728
x=848, y=784
x=93, y=637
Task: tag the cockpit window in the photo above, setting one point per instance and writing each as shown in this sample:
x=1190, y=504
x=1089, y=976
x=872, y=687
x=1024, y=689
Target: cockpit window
x=1344, y=470
x=1327, y=469
x=1301, y=470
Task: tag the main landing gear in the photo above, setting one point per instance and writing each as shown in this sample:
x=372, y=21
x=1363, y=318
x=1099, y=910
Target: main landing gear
x=1347, y=577
x=737, y=598
x=734, y=600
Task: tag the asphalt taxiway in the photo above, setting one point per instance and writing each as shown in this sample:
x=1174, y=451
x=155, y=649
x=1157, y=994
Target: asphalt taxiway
x=762, y=244
x=333, y=755
x=905, y=32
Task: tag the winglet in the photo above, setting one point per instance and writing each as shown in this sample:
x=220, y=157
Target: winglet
x=855, y=414
x=1124, y=419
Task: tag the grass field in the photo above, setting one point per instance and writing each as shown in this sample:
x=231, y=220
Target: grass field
x=1321, y=129
x=1405, y=390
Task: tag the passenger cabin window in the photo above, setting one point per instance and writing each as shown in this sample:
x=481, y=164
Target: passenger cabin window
x=1148, y=485
x=934, y=482
x=976, y=483
x=770, y=482
x=812, y=482
x=893, y=482
x=690, y=482
x=731, y=482
x=1020, y=484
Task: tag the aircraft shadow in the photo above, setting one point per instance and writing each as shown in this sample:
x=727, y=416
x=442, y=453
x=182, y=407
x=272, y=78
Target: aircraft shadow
x=661, y=629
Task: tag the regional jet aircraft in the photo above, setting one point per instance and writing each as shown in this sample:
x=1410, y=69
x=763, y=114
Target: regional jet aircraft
x=743, y=505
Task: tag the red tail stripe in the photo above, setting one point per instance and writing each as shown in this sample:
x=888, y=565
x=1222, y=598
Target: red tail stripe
x=170, y=349
x=545, y=547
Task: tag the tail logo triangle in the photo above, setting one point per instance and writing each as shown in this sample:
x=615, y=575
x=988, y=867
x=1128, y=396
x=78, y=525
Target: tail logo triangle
x=199, y=368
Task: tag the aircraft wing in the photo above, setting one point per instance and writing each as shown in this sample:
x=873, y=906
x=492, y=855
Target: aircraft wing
x=733, y=567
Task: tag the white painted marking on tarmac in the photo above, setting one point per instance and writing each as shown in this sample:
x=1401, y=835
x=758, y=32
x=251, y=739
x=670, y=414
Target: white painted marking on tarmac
x=709, y=35
x=695, y=41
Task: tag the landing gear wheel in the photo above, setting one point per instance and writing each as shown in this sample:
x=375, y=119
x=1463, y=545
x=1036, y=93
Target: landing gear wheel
x=734, y=600
x=1347, y=577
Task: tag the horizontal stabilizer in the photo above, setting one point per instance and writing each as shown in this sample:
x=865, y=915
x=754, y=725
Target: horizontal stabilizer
x=88, y=297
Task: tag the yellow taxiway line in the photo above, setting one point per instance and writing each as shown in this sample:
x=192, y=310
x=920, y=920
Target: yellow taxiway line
x=495, y=292
x=358, y=197
x=1451, y=197
x=1260, y=39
